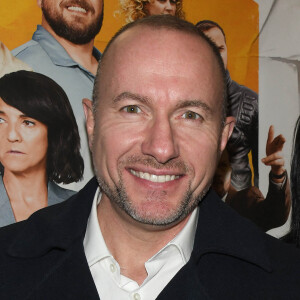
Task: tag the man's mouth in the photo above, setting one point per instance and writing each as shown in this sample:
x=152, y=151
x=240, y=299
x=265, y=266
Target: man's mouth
x=77, y=9
x=153, y=177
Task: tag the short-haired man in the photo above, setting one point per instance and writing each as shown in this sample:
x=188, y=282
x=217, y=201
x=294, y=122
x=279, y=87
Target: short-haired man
x=156, y=132
x=266, y=212
x=243, y=105
x=62, y=48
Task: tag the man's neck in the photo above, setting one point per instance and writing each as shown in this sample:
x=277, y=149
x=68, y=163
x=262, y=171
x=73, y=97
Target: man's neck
x=132, y=244
x=82, y=54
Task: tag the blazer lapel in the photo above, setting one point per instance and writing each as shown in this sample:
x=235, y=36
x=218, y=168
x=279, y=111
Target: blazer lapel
x=222, y=230
x=219, y=230
x=69, y=278
x=185, y=285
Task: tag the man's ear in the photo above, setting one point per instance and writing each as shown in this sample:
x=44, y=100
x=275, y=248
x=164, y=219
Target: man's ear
x=89, y=117
x=39, y=3
x=227, y=131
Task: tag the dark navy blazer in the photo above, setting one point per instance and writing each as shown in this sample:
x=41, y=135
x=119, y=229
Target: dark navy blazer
x=43, y=258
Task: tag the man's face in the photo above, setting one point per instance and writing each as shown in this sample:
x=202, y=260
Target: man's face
x=158, y=132
x=77, y=21
x=161, y=7
x=216, y=35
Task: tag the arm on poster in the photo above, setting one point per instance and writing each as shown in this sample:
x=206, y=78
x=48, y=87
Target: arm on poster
x=270, y=211
x=274, y=157
x=278, y=199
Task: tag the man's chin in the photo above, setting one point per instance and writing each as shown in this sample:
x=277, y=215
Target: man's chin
x=153, y=219
x=158, y=208
x=78, y=30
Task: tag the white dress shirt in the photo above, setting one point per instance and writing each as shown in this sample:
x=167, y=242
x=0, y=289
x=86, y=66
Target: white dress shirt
x=161, y=268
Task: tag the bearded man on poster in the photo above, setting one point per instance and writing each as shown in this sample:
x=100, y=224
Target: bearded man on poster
x=62, y=48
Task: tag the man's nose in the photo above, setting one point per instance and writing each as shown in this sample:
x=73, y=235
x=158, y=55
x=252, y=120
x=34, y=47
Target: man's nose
x=160, y=141
x=13, y=133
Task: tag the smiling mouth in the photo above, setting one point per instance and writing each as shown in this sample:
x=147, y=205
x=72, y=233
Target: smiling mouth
x=77, y=9
x=153, y=177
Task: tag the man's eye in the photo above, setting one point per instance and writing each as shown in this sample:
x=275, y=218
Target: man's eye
x=191, y=115
x=133, y=109
x=1, y=120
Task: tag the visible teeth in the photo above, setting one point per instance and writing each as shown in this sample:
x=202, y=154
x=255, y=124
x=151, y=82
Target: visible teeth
x=76, y=8
x=154, y=178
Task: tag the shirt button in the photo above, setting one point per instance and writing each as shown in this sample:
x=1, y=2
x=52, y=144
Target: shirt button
x=112, y=268
x=136, y=296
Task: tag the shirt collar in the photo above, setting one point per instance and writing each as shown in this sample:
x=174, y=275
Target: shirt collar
x=96, y=249
x=94, y=245
x=184, y=240
x=57, y=53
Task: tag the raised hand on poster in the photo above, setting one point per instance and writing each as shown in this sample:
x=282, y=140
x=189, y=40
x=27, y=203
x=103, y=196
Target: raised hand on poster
x=274, y=157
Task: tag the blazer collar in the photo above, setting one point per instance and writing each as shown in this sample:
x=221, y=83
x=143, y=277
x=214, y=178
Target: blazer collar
x=221, y=230
x=56, y=226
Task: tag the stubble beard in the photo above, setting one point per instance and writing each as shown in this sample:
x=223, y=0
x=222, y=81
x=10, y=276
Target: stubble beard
x=119, y=196
x=71, y=31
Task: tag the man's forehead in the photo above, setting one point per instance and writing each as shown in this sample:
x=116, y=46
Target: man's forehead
x=158, y=57
x=142, y=33
x=158, y=43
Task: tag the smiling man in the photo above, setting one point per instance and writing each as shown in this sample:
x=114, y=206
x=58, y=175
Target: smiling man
x=150, y=227
x=62, y=48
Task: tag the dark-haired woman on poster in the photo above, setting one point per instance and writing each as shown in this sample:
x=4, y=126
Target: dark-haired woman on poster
x=293, y=236
x=39, y=145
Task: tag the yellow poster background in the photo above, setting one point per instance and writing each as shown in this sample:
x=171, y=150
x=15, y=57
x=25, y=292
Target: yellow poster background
x=239, y=19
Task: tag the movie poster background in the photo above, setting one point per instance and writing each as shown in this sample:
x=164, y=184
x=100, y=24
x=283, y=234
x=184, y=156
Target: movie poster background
x=249, y=25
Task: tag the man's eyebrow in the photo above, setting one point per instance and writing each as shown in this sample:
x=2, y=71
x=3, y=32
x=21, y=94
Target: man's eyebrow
x=132, y=96
x=194, y=103
x=147, y=100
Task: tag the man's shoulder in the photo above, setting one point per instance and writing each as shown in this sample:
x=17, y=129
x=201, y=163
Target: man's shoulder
x=10, y=233
x=34, y=55
x=26, y=49
x=231, y=234
x=53, y=220
x=245, y=92
x=276, y=248
x=7, y=234
x=232, y=258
